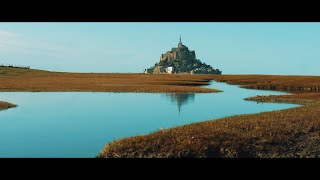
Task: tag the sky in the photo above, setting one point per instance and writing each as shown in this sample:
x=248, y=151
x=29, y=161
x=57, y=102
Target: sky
x=234, y=48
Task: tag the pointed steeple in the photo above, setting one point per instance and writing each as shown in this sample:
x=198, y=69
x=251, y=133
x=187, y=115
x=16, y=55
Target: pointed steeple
x=180, y=42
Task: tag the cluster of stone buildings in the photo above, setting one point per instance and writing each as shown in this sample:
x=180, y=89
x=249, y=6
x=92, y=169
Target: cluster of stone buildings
x=181, y=60
x=181, y=52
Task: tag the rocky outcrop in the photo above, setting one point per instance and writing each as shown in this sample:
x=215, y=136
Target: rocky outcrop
x=182, y=60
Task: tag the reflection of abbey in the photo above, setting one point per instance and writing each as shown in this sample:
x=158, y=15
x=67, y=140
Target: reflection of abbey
x=181, y=60
x=180, y=98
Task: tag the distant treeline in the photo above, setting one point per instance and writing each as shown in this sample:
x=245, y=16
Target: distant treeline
x=14, y=66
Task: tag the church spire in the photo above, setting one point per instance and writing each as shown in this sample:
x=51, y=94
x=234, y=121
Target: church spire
x=180, y=42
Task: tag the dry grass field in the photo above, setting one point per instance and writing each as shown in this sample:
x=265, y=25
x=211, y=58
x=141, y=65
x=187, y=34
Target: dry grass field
x=286, y=133
x=6, y=105
x=296, y=84
x=29, y=80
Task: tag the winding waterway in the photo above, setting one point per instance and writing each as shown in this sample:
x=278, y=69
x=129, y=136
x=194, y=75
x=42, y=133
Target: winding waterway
x=77, y=124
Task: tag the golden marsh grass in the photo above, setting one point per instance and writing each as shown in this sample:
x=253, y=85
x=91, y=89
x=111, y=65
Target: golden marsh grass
x=6, y=105
x=28, y=80
x=286, y=133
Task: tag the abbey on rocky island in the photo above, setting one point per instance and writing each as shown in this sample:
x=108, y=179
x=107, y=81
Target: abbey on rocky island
x=181, y=60
x=179, y=53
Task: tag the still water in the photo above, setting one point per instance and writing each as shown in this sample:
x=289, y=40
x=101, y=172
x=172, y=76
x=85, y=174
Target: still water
x=80, y=124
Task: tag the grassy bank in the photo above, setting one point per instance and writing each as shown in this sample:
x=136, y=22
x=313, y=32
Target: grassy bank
x=296, y=84
x=6, y=105
x=286, y=133
x=29, y=80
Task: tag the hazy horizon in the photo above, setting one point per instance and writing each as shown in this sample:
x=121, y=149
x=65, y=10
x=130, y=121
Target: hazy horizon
x=234, y=48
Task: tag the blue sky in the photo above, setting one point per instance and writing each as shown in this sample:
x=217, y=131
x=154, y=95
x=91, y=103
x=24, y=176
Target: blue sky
x=234, y=48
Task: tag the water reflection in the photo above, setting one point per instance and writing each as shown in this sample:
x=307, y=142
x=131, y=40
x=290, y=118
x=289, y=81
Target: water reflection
x=180, y=98
x=61, y=125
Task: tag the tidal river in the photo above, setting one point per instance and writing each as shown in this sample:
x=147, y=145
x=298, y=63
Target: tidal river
x=76, y=124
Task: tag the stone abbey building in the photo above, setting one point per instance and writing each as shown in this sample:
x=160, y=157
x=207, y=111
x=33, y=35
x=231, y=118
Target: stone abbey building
x=181, y=60
x=179, y=53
